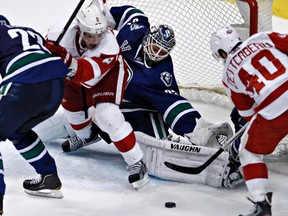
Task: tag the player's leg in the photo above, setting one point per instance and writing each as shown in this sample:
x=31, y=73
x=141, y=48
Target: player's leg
x=110, y=119
x=260, y=138
x=34, y=152
x=76, y=102
x=27, y=142
x=86, y=132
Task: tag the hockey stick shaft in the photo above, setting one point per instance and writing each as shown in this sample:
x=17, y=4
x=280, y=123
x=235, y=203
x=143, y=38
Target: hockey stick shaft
x=199, y=169
x=64, y=30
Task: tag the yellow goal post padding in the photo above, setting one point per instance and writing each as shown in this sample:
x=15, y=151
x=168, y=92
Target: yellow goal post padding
x=280, y=8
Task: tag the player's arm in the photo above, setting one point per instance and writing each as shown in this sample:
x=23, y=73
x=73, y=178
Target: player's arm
x=280, y=41
x=90, y=70
x=126, y=15
x=131, y=23
x=244, y=103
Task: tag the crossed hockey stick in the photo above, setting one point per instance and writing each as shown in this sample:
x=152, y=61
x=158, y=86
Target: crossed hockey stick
x=199, y=169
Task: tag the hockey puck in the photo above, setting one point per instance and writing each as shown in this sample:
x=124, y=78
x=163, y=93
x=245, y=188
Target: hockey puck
x=170, y=204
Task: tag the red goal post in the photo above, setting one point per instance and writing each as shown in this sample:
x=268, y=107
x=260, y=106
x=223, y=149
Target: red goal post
x=197, y=72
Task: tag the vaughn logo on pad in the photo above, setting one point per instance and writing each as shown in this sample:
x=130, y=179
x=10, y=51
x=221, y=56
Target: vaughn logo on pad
x=186, y=148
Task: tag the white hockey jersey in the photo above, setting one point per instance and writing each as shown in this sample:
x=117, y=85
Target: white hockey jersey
x=256, y=75
x=96, y=62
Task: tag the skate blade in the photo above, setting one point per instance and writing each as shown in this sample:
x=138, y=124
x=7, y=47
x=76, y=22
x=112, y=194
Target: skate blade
x=92, y=142
x=139, y=184
x=46, y=193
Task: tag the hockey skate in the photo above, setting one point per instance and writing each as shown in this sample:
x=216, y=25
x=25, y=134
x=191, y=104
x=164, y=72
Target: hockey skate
x=48, y=185
x=138, y=174
x=75, y=142
x=261, y=208
x=211, y=135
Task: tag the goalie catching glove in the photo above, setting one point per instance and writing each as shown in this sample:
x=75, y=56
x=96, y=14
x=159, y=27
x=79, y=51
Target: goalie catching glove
x=66, y=56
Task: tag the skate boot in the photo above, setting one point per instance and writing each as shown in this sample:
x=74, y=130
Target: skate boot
x=209, y=134
x=261, y=208
x=138, y=174
x=47, y=185
x=75, y=142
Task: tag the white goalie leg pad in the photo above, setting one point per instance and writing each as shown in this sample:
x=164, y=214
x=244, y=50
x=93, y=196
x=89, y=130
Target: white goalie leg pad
x=156, y=152
x=56, y=127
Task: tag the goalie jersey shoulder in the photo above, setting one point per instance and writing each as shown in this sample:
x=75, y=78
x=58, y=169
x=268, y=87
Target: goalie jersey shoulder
x=132, y=25
x=127, y=15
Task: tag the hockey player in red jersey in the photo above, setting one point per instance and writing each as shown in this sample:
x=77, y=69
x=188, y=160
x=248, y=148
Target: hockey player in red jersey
x=256, y=77
x=97, y=78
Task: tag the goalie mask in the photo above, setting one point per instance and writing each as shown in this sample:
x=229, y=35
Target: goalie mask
x=92, y=25
x=225, y=39
x=158, y=44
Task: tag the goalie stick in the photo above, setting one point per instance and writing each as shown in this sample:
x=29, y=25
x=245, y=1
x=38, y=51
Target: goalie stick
x=199, y=169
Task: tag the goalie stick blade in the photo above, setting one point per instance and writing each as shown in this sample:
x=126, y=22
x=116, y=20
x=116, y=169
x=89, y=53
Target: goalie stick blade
x=182, y=169
x=193, y=170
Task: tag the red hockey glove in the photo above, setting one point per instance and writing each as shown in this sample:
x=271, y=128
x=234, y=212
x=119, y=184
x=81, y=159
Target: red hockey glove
x=59, y=51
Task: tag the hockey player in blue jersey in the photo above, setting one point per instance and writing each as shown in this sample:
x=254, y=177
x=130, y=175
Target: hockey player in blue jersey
x=152, y=101
x=31, y=91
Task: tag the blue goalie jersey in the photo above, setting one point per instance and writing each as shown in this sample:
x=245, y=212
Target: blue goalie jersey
x=23, y=57
x=152, y=94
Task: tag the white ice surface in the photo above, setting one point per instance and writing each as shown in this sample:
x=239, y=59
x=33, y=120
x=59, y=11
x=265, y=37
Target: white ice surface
x=95, y=180
x=95, y=183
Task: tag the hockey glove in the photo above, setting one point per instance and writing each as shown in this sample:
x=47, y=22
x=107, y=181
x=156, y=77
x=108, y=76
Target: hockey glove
x=59, y=51
x=237, y=120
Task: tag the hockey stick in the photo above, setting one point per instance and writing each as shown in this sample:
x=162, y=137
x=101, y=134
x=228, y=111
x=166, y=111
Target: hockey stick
x=199, y=169
x=69, y=22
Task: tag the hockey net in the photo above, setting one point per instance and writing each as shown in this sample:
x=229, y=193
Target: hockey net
x=197, y=72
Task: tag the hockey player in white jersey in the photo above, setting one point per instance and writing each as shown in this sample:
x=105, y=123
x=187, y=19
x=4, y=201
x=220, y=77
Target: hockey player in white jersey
x=256, y=77
x=97, y=78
